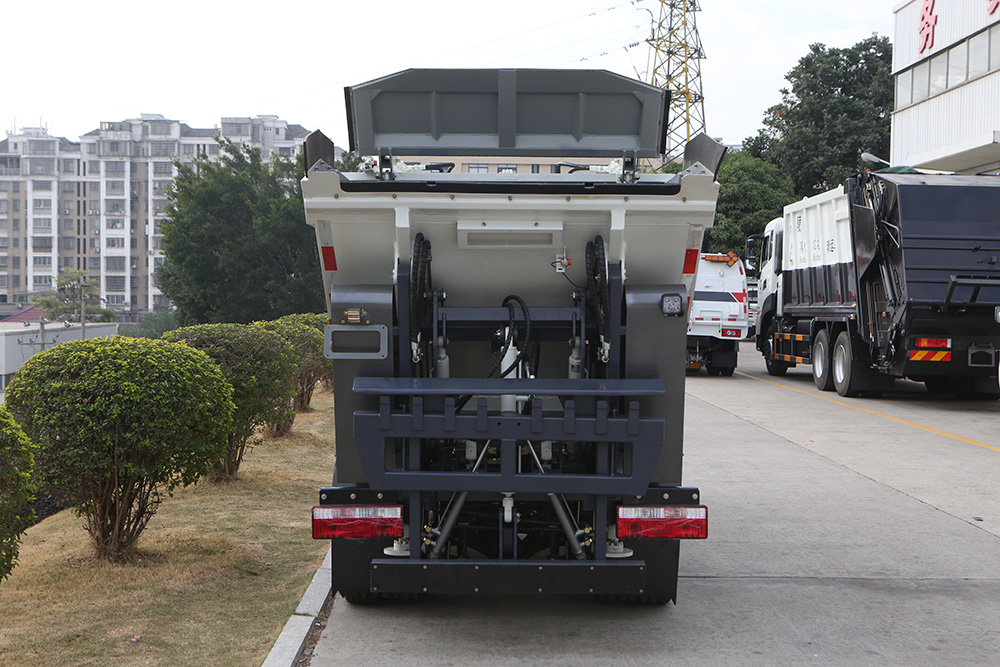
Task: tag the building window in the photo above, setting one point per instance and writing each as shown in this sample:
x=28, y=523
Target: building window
x=3, y=261
x=111, y=242
x=159, y=129
x=114, y=167
x=93, y=262
x=3, y=282
x=115, y=283
x=162, y=168
x=114, y=207
x=3, y=241
x=41, y=260
x=188, y=149
x=116, y=223
x=41, y=204
x=114, y=264
x=68, y=262
x=114, y=188
x=69, y=166
x=958, y=64
x=42, y=185
x=94, y=167
x=479, y=169
x=506, y=168
x=68, y=243
x=67, y=186
x=979, y=55
x=535, y=168
x=116, y=299
x=42, y=281
x=213, y=149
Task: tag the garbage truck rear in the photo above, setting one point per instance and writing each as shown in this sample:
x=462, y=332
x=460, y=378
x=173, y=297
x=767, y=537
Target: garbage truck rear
x=508, y=349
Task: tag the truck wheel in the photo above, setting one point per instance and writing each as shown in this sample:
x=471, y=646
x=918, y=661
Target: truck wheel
x=712, y=370
x=821, y=361
x=843, y=366
x=774, y=367
x=727, y=372
x=937, y=384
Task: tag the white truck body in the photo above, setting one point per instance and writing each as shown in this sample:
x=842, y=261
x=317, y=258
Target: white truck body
x=719, y=314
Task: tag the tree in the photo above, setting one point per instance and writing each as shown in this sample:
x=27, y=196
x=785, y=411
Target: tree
x=151, y=326
x=260, y=366
x=75, y=296
x=752, y=192
x=118, y=420
x=349, y=161
x=839, y=105
x=16, y=490
x=236, y=244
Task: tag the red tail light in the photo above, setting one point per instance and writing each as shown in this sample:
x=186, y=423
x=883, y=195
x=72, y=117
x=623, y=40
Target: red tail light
x=731, y=333
x=663, y=521
x=357, y=521
x=934, y=342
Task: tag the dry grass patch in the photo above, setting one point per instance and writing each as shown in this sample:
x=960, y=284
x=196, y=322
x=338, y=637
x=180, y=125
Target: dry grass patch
x=218, y=572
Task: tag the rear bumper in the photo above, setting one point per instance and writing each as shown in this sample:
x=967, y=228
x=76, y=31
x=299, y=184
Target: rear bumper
x=509, y=578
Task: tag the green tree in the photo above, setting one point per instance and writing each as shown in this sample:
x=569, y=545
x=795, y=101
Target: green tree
x=16, y=490
x=260, y=366
x=236, y=244
x=152, y=326
x=75, y=295
x=118, y=420
x=839, y=105
x=752, y=192
x=348, y=161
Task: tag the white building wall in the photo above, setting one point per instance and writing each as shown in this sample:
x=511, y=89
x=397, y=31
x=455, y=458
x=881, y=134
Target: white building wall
x=957, y=19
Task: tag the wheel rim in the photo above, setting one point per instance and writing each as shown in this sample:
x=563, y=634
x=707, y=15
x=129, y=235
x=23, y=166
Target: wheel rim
x=839, y=364
x=819, y=363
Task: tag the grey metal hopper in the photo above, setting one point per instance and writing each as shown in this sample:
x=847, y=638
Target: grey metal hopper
x=507, y=112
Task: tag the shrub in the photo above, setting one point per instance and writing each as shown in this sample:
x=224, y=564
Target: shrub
x=318, y=321
x=308, y=345
x=117, y=420
x=16, y=489
x=260, y=365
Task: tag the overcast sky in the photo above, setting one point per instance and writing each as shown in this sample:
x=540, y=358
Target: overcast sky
x=71, y=65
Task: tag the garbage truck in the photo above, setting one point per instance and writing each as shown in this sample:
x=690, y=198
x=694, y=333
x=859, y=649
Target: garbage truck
x=892, y=275
x=508, y=348
x=719, y=316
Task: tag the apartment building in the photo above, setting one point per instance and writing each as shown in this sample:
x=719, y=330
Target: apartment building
x=96, y=205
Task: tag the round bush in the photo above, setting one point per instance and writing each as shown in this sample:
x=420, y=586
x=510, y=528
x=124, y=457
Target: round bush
x=117, y=420
x=260, y=366
x=16, y=490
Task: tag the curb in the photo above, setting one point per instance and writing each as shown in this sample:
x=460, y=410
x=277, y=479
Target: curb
x=291, y=641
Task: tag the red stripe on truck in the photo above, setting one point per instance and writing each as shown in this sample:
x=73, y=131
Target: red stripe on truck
x=691, y=260
x=329, y=258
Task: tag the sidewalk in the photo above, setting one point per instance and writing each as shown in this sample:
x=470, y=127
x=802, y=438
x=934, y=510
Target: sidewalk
x=291, y=641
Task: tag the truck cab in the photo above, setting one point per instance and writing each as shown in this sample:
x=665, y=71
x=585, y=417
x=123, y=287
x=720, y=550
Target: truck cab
x=768, y=275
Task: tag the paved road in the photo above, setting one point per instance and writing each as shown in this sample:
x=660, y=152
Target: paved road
x=842, y=532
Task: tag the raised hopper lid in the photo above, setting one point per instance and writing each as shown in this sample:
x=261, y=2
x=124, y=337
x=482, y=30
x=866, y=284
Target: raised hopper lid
x=507, y=112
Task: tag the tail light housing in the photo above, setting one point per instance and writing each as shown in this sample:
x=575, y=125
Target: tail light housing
x=357, y=521
x=663, y=521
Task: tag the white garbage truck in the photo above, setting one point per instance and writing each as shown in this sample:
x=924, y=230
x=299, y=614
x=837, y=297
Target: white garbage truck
x=508, y=348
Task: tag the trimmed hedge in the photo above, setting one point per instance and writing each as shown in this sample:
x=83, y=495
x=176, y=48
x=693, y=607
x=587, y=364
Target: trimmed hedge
x=117, y=420
x=260, y=366
x=16, y=490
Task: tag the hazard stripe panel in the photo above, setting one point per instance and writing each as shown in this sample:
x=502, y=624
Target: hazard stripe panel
x=929, y=355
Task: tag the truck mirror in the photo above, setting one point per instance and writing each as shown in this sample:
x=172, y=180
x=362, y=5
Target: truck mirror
x=778, y=243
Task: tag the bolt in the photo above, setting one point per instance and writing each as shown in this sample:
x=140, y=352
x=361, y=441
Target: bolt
x=354, y=496
x=476, y=589
x=374, y=567
x=694, y=496
x=322, y=496
x=666, y=496
x=380, y=496
x=539, y=589
x=425, y=589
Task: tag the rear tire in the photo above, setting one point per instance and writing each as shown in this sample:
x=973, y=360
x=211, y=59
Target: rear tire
x=727, y=372
x=821, y=360
x=714, y=371
x=937, y=385
x=843, y=367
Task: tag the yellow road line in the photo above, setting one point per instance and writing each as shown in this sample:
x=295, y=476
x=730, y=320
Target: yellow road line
x=872, y=412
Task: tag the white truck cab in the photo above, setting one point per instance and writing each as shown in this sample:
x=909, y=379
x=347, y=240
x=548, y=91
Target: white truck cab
x=719, y=315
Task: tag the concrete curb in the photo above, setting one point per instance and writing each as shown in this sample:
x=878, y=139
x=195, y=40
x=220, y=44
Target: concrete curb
x=291, y=641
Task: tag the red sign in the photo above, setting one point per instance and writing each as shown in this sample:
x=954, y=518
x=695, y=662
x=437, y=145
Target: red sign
x=927, y=22
x=993, y=6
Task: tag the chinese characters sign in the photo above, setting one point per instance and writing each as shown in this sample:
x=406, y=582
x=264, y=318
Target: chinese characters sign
x=927, y=22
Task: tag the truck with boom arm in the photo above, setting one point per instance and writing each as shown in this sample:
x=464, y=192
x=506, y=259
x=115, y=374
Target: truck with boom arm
x=508, y=348
x=893, y=275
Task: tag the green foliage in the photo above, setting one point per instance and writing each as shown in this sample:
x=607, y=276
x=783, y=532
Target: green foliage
x=16, y=490
x=236, y=244
x=117, y=420
x=839, y=105
x=300, y=331
x=152, y=326
x=260, y=366
x=73, y=290
x=348, y=162
x=752, y=192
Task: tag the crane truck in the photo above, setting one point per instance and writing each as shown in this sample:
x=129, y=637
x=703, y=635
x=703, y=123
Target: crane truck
x=893, y=275
x=508, y=348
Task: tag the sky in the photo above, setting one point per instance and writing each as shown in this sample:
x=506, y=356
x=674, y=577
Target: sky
x=72, y=64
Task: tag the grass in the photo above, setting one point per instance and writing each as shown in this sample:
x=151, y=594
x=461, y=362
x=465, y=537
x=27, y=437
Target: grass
x=219, y=569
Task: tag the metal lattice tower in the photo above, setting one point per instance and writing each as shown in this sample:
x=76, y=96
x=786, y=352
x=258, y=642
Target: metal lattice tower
x=675, y=54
